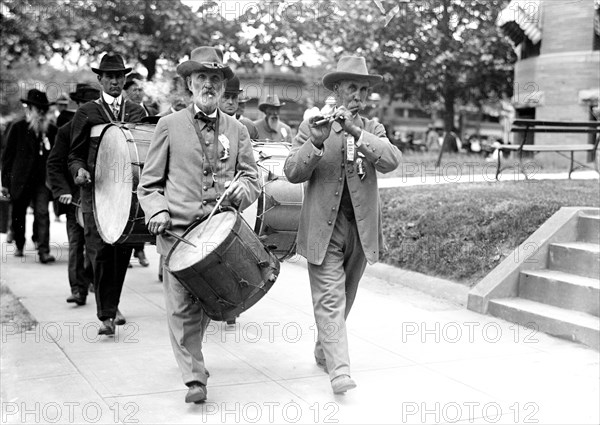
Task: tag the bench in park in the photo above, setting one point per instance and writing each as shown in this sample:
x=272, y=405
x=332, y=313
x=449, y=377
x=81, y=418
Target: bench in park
x=527, y=126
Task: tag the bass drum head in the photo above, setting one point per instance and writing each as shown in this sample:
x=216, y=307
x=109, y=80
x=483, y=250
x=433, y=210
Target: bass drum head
x=206, y=237
x=113, y=184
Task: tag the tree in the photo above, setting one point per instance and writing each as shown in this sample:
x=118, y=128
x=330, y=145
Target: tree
x=142, y=30
x=444, y=51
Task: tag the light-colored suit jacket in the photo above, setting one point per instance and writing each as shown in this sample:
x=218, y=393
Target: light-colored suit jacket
x=177, y=178
x=325, y=176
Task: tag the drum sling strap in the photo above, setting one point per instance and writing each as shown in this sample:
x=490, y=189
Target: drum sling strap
x=205, y=153
x=110, y=115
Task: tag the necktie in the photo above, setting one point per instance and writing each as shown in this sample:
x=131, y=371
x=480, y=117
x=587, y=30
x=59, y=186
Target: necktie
x=115, y=109
x=209, y=121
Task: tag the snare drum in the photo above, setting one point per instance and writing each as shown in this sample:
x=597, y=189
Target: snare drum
x=275, y=216
x=229, y=270
x=122, y=150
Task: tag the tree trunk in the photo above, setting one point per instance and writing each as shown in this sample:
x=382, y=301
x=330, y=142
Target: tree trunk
x=449, y=99
x=149, y=63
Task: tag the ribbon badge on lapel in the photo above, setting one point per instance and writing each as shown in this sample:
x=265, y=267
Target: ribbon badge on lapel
x=225, y=143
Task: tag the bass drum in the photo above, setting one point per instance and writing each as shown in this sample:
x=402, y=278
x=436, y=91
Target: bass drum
x=122, y=150
x=275, y=215
x=228, y=270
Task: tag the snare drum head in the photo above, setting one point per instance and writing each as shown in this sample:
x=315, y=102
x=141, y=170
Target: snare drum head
x=206, y=237
x=112, y=184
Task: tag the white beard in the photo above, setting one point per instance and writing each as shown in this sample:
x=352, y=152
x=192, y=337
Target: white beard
x=38, y=123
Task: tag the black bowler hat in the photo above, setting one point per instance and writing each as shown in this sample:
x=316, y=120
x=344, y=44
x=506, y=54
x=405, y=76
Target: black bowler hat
x=37, y=98
x=233, y=86
x=84, y=93
x=111, y=62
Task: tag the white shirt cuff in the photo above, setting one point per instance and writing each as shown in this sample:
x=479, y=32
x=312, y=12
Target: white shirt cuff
x=318, y=151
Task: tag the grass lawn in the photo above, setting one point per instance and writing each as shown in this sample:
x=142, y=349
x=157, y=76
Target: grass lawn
x=461, y=232
x=12, y=311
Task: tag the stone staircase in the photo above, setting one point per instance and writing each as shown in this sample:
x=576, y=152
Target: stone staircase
x=562, y=299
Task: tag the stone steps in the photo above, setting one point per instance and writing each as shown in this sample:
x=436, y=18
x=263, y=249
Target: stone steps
x=561, y=289
x=568, y=324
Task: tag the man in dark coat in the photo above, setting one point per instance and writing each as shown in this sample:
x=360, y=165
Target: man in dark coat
x=230, y=103
x=66, y=193
x=108, y=261
x=24, y=172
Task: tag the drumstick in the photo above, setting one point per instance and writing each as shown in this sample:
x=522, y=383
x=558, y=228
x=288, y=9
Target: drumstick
x=218, y=204
x=179, y=238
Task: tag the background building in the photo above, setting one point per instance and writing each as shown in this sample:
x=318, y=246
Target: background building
x=557, y=75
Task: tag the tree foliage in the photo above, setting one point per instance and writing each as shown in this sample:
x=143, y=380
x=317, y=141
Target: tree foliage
x=141, y=30
x=429, y=51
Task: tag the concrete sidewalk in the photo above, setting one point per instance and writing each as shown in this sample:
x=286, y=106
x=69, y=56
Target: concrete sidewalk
x=415, y=358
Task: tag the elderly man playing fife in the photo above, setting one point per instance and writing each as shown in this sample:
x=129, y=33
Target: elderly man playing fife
x=340, y=222
x=193, y=157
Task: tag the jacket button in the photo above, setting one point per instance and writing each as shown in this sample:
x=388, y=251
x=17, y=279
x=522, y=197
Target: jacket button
x=340, y=179
x=205, y=188
x=205, y=173
x=333, y=209
x=343, y=165
x=337, y=193
x=329, y=222
x=204, y=202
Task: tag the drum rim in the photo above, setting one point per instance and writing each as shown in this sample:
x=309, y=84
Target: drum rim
x=134, y=206
x=189, y=229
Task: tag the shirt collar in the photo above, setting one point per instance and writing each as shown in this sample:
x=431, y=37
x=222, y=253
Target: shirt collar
x=213, y=115
x=110, y=99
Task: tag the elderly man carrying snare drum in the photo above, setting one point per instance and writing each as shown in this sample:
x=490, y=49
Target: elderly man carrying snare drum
x=192, y=160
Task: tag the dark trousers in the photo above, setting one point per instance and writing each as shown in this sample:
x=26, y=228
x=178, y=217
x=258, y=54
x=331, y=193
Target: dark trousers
x=40, y=196
x=109, y=263
x=81, y=273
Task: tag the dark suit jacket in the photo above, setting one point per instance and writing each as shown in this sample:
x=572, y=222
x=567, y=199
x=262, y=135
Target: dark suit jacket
x=22, y=165
x=59, y=179
x=83, y=149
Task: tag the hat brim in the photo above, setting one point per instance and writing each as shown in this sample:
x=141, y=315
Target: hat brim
x=234, y=91
x=99, y=71
x=32, y=102
x=263, y=106
x=333, y=77
x=186, y=68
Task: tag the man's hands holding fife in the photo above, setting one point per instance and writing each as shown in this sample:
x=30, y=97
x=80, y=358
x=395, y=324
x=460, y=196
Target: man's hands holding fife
x=319, y=133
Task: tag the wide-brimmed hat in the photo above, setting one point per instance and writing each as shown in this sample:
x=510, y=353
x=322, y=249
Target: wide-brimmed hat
x=63, y=99
x=111, y=62
x=233, y=86
x=37, y=98
x=205, y=58
x=132, y=79
x=270, y=100
x=84, y=93
x=351, y=68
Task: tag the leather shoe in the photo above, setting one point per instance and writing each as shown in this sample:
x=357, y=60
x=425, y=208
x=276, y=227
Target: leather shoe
x=46, y=258
x=141, y=256
x=19, y=253
x=119, y=319
x=322, y=363
x=107, y=327
x=341, y=384
x=196, y=393
x=77, y=299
